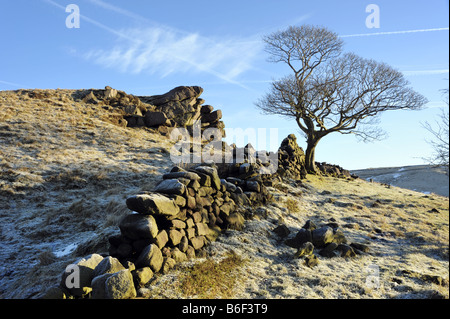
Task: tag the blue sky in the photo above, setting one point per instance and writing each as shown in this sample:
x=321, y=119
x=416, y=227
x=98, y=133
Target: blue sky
x=149, y=47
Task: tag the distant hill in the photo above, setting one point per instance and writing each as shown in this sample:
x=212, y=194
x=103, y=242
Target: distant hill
x=422, y=178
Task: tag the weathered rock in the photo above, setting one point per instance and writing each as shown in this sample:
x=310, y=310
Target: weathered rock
x=360, y=247
x=150, y=256
x=282, y=231
x=202, y=229
x=184, y=243
x=329, y=250
x=179, y=93
x=197, y=242
x=153, y=119
x=108, y=265
x=110, y=93
x=137, y=226
x=178, y=255
x=322, y=236
x=168, y=264
x=311, y=261
x=303, y=236
x=161, y=239
x=175, y=237
x=120, y=285
x=310, y=225
x=182, y=174
x=212, y=117
x=346, y=250
x=99, y=286
x=212, y=173
x=304, y=250
x=206, y=109
x=153, y=204
x=170, y=186
x=80, y=274
x=142, y=276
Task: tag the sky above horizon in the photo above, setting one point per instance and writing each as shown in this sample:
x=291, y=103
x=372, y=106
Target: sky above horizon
x=149, y=47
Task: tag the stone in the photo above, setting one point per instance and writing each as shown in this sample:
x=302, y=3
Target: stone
x=303, y=236
x=110, y=93
x=212, y=117
x=197, y=242
x=212, y=173
x=346, y=250
x=137, y=226
x=190, y=252
x=322, y=236
x=329, y=250
x=150, y=256
x=81, y=271
x=360, y=247
x=54, y=292
x=108, y=265
x=168, y=264
x=213, y=233
x=178, y=255
x=206, y=109
x=176, y=223
x=153, y=204
x=99, y=286
x=175, y=237
x=184, y=243
x=182, y=174
x=120, y=285
x=142, y=276
x=170, y=186
x=90, y=98
x=282, y=231
x=339, y=237
x=202, y=229
x=304, y=250
x=152, y=119
x=161, y=239
x=311, y=261
x=179, y=93
x=310, y=225
x=253, y=186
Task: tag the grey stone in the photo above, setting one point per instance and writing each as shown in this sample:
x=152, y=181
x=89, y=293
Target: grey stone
x=120, y=285
x=153, y=119
x=142, y=276
x=153, y=204
x=136, y=226
x=170, y=186
x=150, y=256
x=322, y=236
x=304, y=250
x=108, y=265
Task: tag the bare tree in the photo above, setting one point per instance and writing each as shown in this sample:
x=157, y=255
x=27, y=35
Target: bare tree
x=331, y=91
x=440, y=141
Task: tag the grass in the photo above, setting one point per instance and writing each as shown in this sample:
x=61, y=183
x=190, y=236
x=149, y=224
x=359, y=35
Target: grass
x=212, y=279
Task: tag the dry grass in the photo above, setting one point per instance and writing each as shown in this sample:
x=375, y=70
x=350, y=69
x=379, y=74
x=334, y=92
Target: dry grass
x=212, y=279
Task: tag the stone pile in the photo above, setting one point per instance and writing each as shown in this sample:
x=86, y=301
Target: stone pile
x=180, y=107
x=188, y=209
x=327, y=241
x=291, y=159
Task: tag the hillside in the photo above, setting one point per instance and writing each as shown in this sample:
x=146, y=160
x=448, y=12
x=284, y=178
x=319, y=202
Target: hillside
x=68, y=166
x=422, y=178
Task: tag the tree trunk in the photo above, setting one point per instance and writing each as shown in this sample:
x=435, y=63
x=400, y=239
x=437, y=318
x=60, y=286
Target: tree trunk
x=310, y=155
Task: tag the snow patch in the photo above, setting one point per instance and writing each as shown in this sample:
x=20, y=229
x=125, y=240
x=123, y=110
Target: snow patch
x=66, y=251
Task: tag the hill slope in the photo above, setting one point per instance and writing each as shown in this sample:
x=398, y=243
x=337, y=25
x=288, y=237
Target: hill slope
x=421, y=178
x=67, y=168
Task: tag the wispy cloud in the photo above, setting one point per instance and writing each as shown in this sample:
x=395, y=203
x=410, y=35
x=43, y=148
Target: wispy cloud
x=22, y=86
x=393, y=32
x=161, y=49
x=425, y=72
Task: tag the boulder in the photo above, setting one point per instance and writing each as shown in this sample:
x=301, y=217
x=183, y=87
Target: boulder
x=212, y=117
x=153, y=119
x=322, y=236
x=142, y=276
x=304, y=250
x=153, y=204
x=175, y=236
x=179, y=93
x=79, y=275
x=137, y=226
x=108, y=265
x=181, y=174
x=212, y=173
x=170, y=186
x=161, y=239
x=303, y=236
x=329, y=250
x=120, y=285
x=150, y=256
x=282, y=231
